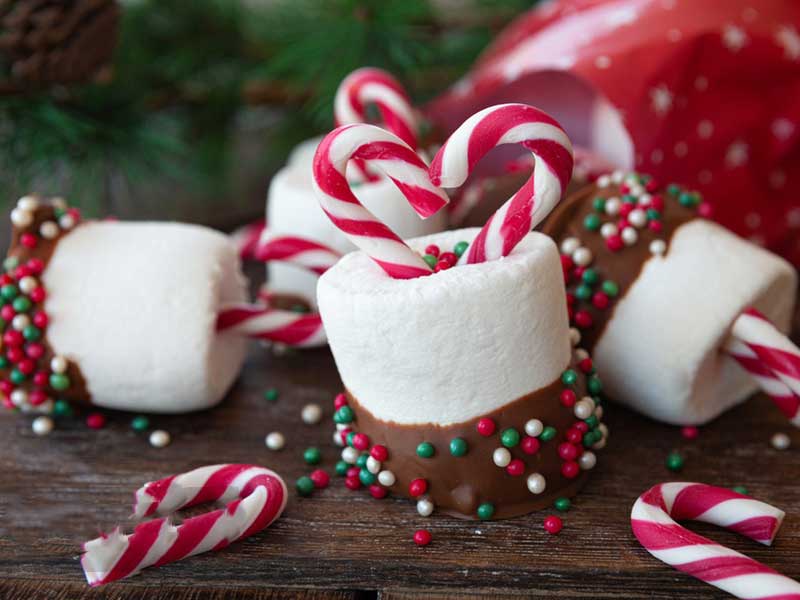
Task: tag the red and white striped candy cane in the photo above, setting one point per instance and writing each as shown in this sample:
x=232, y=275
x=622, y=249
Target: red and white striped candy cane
x=508, y=124
x=653, y=522
x=256, y=497
x=246, y=238
x=369, y=85
x=296, y=250
x=773, y=360
x=392, y=156
x=274, y=324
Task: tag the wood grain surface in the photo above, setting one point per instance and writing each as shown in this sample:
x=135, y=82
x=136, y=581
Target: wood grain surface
x=59, y=491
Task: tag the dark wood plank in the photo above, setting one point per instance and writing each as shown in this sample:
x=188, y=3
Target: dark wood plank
x=59, y=491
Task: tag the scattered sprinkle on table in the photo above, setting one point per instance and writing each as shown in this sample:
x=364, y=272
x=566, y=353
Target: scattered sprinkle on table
x=275, y=440
x=160, y=438
x=780, y=441
x=311, y=414
x=271, y=394
x=42, y=425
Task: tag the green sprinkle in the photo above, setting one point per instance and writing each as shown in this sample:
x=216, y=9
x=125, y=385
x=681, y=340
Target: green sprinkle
x=458, y=446
x=675, y=461
x=304, y=485
x=687, y=199
x=344, y=415
x=350, y=437
x=594, y=385
x=548, y=433
x=62, y=408
x=31, y=333
x=563, y=504
x=361, y=461
x=628, y=199
x=673, y=189
x=312, y=456
x=599, y=204
x=9, y=291
x=341, y=468
x=740, y=489
x=569, y=377
x=583, y=292
x=59, y=381
x=271, y=394
x=590, y=276
x=592, y=222
x=509, y=438
x=299, y=309
x=592, y=421
x=653, y=214
x=425, y=450
x=140, y=423
x=431, y=260
x=486, y=511
x=22, y=304
x=3, y=362
x=610, y=288
x=366, y=477
x=590, y=438
x=17, y=376
x=460, y=248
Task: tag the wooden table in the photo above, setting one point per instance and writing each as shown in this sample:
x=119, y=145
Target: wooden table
x=60, y=491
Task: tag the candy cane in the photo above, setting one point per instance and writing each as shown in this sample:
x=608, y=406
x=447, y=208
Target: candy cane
x=296, y=250
x=274, y=324
x=770, y=357
x=246, y=238
x=508, y=124
x=256, y=497
x=653, y=525
x=402, y=165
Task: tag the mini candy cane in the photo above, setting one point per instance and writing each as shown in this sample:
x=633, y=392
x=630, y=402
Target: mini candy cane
x=256, y=497
x=402, y=165
x=273, y=324
x=296, y=250
x=246, y=238
x=508, y=124
x=653, y=525
x=369, y=85
x=777, y=364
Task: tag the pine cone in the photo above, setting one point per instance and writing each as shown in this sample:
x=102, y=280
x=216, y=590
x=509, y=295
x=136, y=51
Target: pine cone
x=45, y=42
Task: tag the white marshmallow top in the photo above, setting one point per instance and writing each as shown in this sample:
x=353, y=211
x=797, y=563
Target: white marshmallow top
x=135, y=305
x=293, y=208
x=451, y=346
x=661, y=353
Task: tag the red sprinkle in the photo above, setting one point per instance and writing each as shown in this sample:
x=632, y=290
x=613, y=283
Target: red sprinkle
x=41, y=378
x=5, y=279
x=353, y=472
x=35, y=266
x=26, y=366
x=570, y=469
x=585, y=365
x=657, y=202
x=614, y=243
x=553, y=524
x=567, y=451
x=7, y=312
x=651, y=186
x=37, y=397
x=352, y=483
x=28, y=240
x=6, y=387
x=433, y=250
x=378, y=491
x=448, y=257
x=655, y=226
x=343, y=434
x=705, y=210
x=15, y=354
x=568, y=398
x=530, y=445
x=379, y=452
x=690, y=433
x=40, y=319
x=361, y=441
x=422, y=537
x=417, y=487
x=486, y=427
x=320, y=478
x=583, y=319
x=625, y=210
x=95, y=421
x=624, y=188
x=515, y=468
x=600, y=300
x=38, y=294
x=580, y=426
x=22, y=271
x=339, y=401
x=574, y=435
x=12, y=337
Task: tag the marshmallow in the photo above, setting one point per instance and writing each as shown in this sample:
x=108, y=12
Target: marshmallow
x=293, y=208
x=661, y=351
x=131, y=314
x=449, y=347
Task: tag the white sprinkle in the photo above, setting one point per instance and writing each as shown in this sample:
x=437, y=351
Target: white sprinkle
x=536, y=483
x=612, y=206
x=58, y=364
x=373, y=465
x=598, y=412
x=569, y=245
x=19, y=397
x=574, y=336
x=501, y=457
x=637, y=218
x=49, y=230
x=534, y=427
x=342, y=426
x=603, y=181
x=644, y=199
x=780, y=441
x=582, y=257
x=658, y=247
x=59, y=202
x=608, y=229
x=21, y=218
x=311, y=414
x=20, y=322
x=386, y=478
x=600, y=445
x=581, y=354
x=584, y=408
x=337, y=439
x=629, y=236
x=617, y=176
x=28, y=203
x=425, y=507
x=66, y=221
x=350, y=455
x=587, y=460
x=275, y=440
x=27, y=284
x=42, y=425
x=160, y=438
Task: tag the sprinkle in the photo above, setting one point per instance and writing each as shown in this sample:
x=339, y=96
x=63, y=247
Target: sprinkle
x=422, y=537
x=140, y=423
x=341, y=468
x=320, y=478
x=608, y=229
x=343, y=415
x=610, y=288
x=366, y=478
x=587, y=460
x=530, y=445
x=95, y=421
x=780, y=441
x=486, y=427
x=562, y=504
x=160, y=438
x=275, y=440
x=501, y=457
x=62, y=408
x=510, y=437
x=675, y=462
x=271, y=394
x=458, y=447
x=378, y=492
x=584, y=408
x=740, y=489
x=424, y=507
x=425, y=450
x=515, y=468
x=570, y=469
x=417, y=487
x=311, y=414
x=42, y=425
x=569, y=377
x=534, y=427
x=386, y=478
x=690, y=433
x=658, y=247
x=592, y=222
x=583, y=257
x=553, y=524
x=460, y=248
x=312, y=456
x=570, y=245
x=536, y=483
x=304, y=485
x=485, y=511
x=548, y=434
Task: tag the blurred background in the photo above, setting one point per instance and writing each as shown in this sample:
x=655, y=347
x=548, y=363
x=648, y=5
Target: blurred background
x=177, y=109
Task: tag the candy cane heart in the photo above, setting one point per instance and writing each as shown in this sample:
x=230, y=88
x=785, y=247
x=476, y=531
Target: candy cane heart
x=653, y=523
x=389, y=154
x=495, y=126
x=255, y=497
x=296, y=250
